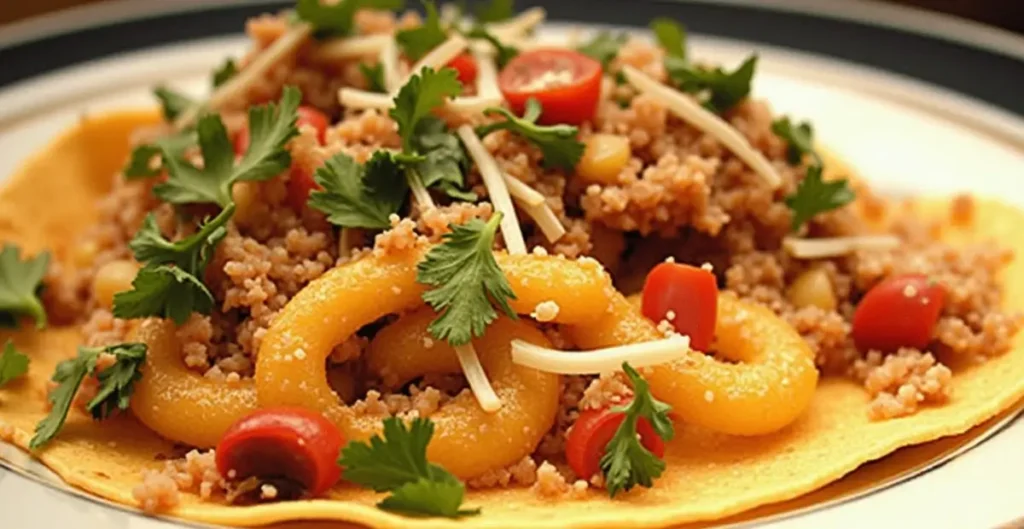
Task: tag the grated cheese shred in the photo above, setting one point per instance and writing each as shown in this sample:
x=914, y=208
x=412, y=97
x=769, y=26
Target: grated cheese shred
x=477, y=378
x=836, y=246
x=689, y=111
x=597, y=361
x=348, y=48
x=496, y=189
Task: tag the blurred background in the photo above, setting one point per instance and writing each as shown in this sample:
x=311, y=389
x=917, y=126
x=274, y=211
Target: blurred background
x=1008, y=14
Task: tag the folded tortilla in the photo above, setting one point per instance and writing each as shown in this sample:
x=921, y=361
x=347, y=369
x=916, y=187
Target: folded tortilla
x=709, y=476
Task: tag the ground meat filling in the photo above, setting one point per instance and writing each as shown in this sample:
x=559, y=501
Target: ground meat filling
x=681, y=195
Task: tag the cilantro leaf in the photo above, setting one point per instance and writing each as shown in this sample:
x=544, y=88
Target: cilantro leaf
x=422, y=94
x=117, y=381
x=163, y=291
x=270, y=128
x=191, y=253
x=224, y=73
x=557, y=143
x=172, y=103
x=671, y=36
x=626, y=463
x=397, y=462
x=13, y=363
x=494, y=11
x=800, y=138
x=19, y=283
x=357, y=196
x=467, y=280
x=337, y=19
x=418, y=41
x=374, y=74
x=141, y=163
x=716, y=88
x=813, y=195
x=503, y=53
x=604, y=46
x=444, y=160
x=116, y=385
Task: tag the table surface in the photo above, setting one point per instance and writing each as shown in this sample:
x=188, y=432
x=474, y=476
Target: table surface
x=1008, y=14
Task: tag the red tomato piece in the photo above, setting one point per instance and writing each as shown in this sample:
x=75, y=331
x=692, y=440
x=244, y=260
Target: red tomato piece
x=566, y=82
x=588, y=438
x=901, y=311
x=300, y=185
x=305, y=115
x=691, y=293
x=465, y=64
x=293, y=443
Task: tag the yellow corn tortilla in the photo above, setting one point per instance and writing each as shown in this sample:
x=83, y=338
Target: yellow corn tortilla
x=709, y=476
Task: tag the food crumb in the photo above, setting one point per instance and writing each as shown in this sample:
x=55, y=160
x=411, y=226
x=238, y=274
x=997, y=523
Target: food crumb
x=545, y=311
x=6, y=432
x=268, y=492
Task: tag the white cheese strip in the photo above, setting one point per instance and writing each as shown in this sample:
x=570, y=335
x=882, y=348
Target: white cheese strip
x=260, y=65
x=477, y=378
x=361, y=99
x=522, y=192
x=472, y=104
x=389, y=65
x=519, y=25
x=601, y=360
x=349, y=48
x=440, y=56
x=689, y=111
x=836, y=246
x=496, y=189
x=545, y=218
x=486, y=76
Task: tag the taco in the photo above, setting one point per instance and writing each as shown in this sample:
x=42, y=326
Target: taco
x=292, y=302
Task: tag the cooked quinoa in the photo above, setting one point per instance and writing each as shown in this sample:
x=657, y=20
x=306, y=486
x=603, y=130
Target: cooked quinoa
x=681, y=196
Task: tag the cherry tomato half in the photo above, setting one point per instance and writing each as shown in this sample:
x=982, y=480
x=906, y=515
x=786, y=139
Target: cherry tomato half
x=566, y=82
x=590, y=435
x=691, y=293
x=292, y=443
x=465, y=64
x=901, y=311
x=306, y=115
x=300, y=184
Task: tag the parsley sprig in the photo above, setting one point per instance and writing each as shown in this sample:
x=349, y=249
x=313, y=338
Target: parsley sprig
x=604, y=46
x=468, y=282
x=20, y=282
x=813, y=194
x=374, y=74
x=557, y=143
x=360, y=196
x=172, y=103
x=717, y=89
x=270, y=128
x=503, y=53
x=337, y=19
x=626, y=463
x=397, y=463
x=494, y=11
x=13, y=363
x=116, y=386
x=417, y=42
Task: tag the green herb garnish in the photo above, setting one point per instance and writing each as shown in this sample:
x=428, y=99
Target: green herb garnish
x=337, y=19
x=813, y=194
x=626, y=463
x=467, y=280
x=172, y=103
x=116, y=385
x=604, y=46
x=671, y=36
x=418, y=41
x=396, y=462
x=717, y=89
x=557, y=143
x=13, y=363
x=494, y=11
x=503, y=53
x=374, y=74
x=360, y=196
x=224, y=73
x=20, y=282
x=800, y=138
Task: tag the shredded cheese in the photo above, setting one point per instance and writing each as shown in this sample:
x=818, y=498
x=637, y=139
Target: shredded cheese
x=496, y=189
x=519, y=25
x=523, y=193
x=546, y=220
x=389, y=66
x=836, y=246
x=689, y=111
x=355, y=98
x=348, y=48
x=472, y=104
x=477, y=378
x=486, y=76
x=256, y=68
x=600, y=360
x=439, y=56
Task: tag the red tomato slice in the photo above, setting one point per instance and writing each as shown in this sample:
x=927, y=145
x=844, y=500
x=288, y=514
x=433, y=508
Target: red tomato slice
x=590, y=435
x=566, y=82
x=292, y=443
x=300, y=185
x=901, y=311
x=691, y=293
x=465, y=64
x=305, y=115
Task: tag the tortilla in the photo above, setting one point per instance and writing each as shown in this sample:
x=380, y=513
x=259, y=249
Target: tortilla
x=709, y=476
